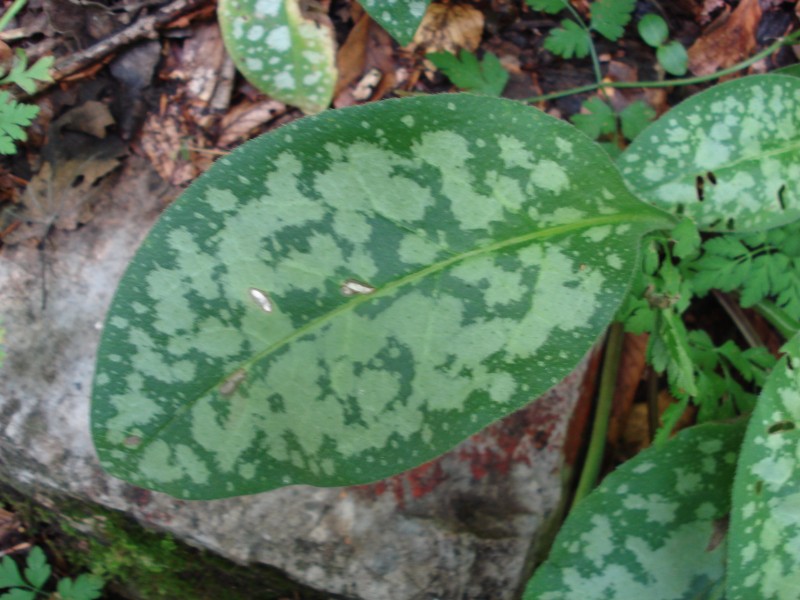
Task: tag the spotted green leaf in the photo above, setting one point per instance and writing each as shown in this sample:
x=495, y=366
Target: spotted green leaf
x=728, y=157
x=400, y=18
x=764, y=555
x=280, y=51
x=654, y=528
x=357, y=292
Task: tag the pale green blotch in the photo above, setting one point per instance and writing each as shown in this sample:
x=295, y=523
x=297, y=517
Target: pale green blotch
x=658, y=509
x=598, y=542
x=514, y=152
x=349, y=185
x=449, y=152
x=506, y=191
x=172, y=310
x=220, y=200
x=711, y=153
x=240, y=428
x=554, y=305
x=147, y=409
x=598, y=234
x=614, y=261
x=160, y=465
x=416, y=250
x=550, y=176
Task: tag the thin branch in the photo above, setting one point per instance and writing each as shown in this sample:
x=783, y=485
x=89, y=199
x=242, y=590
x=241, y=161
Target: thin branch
x=143, y=28
x=741, y=321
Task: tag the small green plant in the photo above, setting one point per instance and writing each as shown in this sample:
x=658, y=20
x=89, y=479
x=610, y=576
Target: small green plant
x=574, y=36
x=671, y=55
x=15, y=116
x=485, y=76
x=31, y=584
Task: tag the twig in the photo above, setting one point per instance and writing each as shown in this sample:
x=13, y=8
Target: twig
x=142, y=28
x=738, y=317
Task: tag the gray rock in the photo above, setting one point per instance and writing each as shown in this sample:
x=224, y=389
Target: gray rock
x=464, y=526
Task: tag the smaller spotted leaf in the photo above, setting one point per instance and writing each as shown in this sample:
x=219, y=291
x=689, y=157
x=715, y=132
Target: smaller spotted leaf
x=357, y=292
x=728, y=157
x=655, y=528
x=764, y=552
x=400, y=18
x=281, y=52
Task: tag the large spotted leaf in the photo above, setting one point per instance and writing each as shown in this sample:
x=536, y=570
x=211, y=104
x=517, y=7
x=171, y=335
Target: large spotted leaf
x=728, y=157
x=357, y=292
x=655, y=528
x=400, y=18
x=764, y=555
x=280, y=51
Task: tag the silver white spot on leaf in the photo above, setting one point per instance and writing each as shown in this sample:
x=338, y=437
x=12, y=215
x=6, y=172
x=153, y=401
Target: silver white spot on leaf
x=352, y=287
x=262, y=299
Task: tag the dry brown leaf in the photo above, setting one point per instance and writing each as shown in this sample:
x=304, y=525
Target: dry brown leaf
x=727, y=41
x=448, y=28
x=63, y=194
x=91, y=117
x=367, y=50
x=244, y=118
x=164, y=142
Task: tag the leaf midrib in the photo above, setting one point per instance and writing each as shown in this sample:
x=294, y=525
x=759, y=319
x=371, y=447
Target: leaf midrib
x=387, y=289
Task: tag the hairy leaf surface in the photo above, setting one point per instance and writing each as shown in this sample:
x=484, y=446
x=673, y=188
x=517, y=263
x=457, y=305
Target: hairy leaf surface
x=655, y=527
x=400, y=19
x=728, y=157
x=282, y=53
x=764, y=554
x=355, y=293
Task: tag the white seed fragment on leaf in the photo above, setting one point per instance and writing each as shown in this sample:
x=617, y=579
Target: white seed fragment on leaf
x=351, y=287
x=261, y=299
x=231, y=383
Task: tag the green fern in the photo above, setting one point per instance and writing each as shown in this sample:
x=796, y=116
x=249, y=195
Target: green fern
x=759, y=266
x=485, y=76
x=572, y=38
x=609, y=17
x=13, y=117
x=25, y=76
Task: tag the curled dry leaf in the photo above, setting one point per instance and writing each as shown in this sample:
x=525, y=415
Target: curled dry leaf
x=728, y=40
x=244, y=118
x=91, y=117
x=365, y=61
x=448, y=28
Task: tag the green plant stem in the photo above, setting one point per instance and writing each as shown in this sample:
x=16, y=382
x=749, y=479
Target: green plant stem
x=791, y=39
x=786, y=325
x=11, y=13
x=597, y=443
x=738, y=317
x=598, y=72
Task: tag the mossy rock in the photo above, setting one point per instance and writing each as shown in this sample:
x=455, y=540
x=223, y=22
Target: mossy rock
x=138, y=563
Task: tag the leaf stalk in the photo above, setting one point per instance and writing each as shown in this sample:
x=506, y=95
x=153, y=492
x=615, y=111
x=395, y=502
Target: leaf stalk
x=597, y=443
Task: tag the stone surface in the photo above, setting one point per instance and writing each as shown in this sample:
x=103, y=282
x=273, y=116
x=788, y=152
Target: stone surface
x=464, y=526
